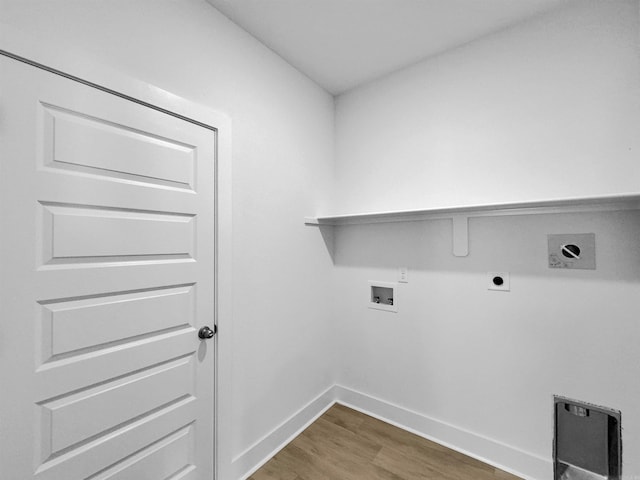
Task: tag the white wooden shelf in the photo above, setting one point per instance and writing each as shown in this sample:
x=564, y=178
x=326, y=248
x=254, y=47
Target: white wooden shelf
x=460, y=214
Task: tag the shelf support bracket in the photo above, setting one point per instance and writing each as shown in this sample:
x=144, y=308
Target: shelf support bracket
x=460, y=235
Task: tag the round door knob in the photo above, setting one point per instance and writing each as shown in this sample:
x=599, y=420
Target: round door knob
x=206, y=332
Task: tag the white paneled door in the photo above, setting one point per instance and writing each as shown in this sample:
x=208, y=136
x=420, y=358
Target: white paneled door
x=107, y=267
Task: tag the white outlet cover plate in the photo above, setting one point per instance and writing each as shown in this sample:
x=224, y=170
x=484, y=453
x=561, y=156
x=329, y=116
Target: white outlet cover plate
x=586, y=242
x=506, y=281
x=403, y=275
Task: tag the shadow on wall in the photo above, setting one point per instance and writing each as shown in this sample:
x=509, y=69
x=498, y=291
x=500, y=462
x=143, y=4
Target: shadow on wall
x=516, y=244
x=329, y=236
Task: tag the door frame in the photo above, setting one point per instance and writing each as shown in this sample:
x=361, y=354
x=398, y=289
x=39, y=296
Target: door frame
x=83, y=69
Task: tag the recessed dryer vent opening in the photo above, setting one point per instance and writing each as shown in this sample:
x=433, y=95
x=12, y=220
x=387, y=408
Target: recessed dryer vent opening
x=383, y=296
x=587, y=441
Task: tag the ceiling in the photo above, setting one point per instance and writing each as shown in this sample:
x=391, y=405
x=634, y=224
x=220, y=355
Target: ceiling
x=341, y=44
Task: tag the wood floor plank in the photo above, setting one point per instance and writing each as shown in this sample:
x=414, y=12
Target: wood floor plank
x=440, y=458
x=306, y=465
x=344, y=417
x=274, y=470
x=500, y=474
x=390, y=436
x=344, y=444
x=310, y=466
x=330, y=440
x=404, y=465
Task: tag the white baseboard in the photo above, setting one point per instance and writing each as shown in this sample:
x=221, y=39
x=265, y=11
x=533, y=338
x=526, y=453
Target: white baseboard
x=245, y=464
x=505, y=457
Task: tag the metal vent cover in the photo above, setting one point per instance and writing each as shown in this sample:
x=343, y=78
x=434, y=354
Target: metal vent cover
x=587, y=441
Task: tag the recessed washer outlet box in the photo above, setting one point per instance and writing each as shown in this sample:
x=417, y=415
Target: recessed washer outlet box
x=383, y=296
x=572, y=250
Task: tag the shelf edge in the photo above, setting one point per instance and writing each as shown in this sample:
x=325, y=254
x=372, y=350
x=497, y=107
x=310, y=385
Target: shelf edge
x=568, y=205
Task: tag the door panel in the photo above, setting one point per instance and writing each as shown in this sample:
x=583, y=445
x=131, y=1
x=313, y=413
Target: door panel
x=93, y=146
x=165, y=459
x=77, y=417
x=107, y=260
x=77, y=326
x=108, y=452
x=82, y=234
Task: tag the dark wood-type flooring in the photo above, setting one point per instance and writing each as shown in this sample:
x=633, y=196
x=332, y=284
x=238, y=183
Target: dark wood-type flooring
x=344, y=444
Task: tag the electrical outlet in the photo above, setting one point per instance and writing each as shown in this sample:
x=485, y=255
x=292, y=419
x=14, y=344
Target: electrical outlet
x=403, y=275
x=499, y=281
x=572, y=251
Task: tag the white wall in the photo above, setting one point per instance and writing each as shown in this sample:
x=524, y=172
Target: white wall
x=282, y=165
x=547, y=109
x=489, y=362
